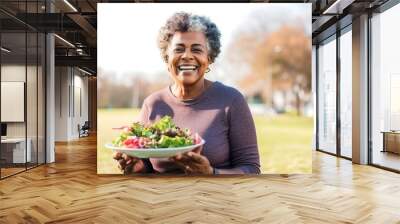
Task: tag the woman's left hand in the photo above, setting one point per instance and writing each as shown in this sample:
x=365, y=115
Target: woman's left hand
x=193, y=162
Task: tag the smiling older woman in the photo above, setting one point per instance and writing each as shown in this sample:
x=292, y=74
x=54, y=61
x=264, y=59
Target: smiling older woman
x=220, y=114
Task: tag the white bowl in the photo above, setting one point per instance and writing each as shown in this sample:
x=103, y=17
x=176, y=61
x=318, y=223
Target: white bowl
x=153, y=153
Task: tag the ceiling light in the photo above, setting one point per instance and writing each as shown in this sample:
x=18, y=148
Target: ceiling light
x=5, y=50
x=70, y=5
x=84, y=71
x=338, y=6
x=64, y=40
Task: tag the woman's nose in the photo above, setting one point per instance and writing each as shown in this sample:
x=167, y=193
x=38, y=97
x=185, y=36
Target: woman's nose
x=187, y=54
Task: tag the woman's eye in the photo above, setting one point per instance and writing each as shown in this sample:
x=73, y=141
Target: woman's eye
x=197, y=50
x=178, y=50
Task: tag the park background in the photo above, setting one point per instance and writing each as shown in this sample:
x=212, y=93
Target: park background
x=265, y=54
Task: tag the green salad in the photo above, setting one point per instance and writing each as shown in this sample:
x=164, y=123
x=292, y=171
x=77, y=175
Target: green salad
x=162, y=134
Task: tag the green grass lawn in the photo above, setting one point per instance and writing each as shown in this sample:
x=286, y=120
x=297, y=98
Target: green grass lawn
x=284, y=141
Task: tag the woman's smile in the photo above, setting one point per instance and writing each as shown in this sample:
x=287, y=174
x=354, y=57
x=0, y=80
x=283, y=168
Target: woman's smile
x=187, y=67
x=187, y=70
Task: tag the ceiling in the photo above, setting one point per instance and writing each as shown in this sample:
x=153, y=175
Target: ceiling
x=76, y=22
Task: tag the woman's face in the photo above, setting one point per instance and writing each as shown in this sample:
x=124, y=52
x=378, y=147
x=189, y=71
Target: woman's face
x=188, y=57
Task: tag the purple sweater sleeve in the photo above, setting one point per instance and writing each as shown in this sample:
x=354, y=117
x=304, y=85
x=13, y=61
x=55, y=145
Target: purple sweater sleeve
x=143, y=114
x=243, y=138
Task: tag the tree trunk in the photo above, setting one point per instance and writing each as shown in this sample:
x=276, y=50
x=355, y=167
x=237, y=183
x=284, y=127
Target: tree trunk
x=298, y=104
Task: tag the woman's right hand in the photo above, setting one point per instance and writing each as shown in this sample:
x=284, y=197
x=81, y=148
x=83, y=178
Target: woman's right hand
x=129, y=164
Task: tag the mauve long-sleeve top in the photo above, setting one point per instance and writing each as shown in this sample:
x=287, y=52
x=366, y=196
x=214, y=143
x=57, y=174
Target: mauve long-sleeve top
x=220, y=115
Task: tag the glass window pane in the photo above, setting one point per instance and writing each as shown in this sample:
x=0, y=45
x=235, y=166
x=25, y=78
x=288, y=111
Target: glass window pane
x=14, y=151
x=327, y=96
x=346, y=94
x=23, y=85
x=386, y=89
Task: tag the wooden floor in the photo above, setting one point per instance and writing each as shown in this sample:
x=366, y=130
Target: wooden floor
x=10, y=171
x=388, y=159
x=70, y=191
x=13, y=170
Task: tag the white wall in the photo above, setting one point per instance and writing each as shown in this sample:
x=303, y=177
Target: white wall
x=81, y=100
x=71, y=93
x=16, y=73
x=62, y=81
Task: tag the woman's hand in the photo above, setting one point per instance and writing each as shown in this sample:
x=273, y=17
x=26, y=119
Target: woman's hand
x=129, y=164
x=193, y=162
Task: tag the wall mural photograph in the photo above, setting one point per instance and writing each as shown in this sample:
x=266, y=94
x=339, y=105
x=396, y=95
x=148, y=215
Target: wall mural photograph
x=184, y=89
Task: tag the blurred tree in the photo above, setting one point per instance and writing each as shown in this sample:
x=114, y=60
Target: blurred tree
x=281, y=61
x=103, y=90
x=112, y=94
x=130, y=91
x=288, y=55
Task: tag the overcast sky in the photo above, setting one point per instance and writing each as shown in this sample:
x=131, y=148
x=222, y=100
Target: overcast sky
x=127, y=33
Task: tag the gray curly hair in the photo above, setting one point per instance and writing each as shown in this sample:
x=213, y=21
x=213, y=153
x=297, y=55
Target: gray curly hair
x=186, y=22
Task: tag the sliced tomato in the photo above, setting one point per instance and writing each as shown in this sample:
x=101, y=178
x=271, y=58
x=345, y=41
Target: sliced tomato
x=131, y=143
x=197, y=139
